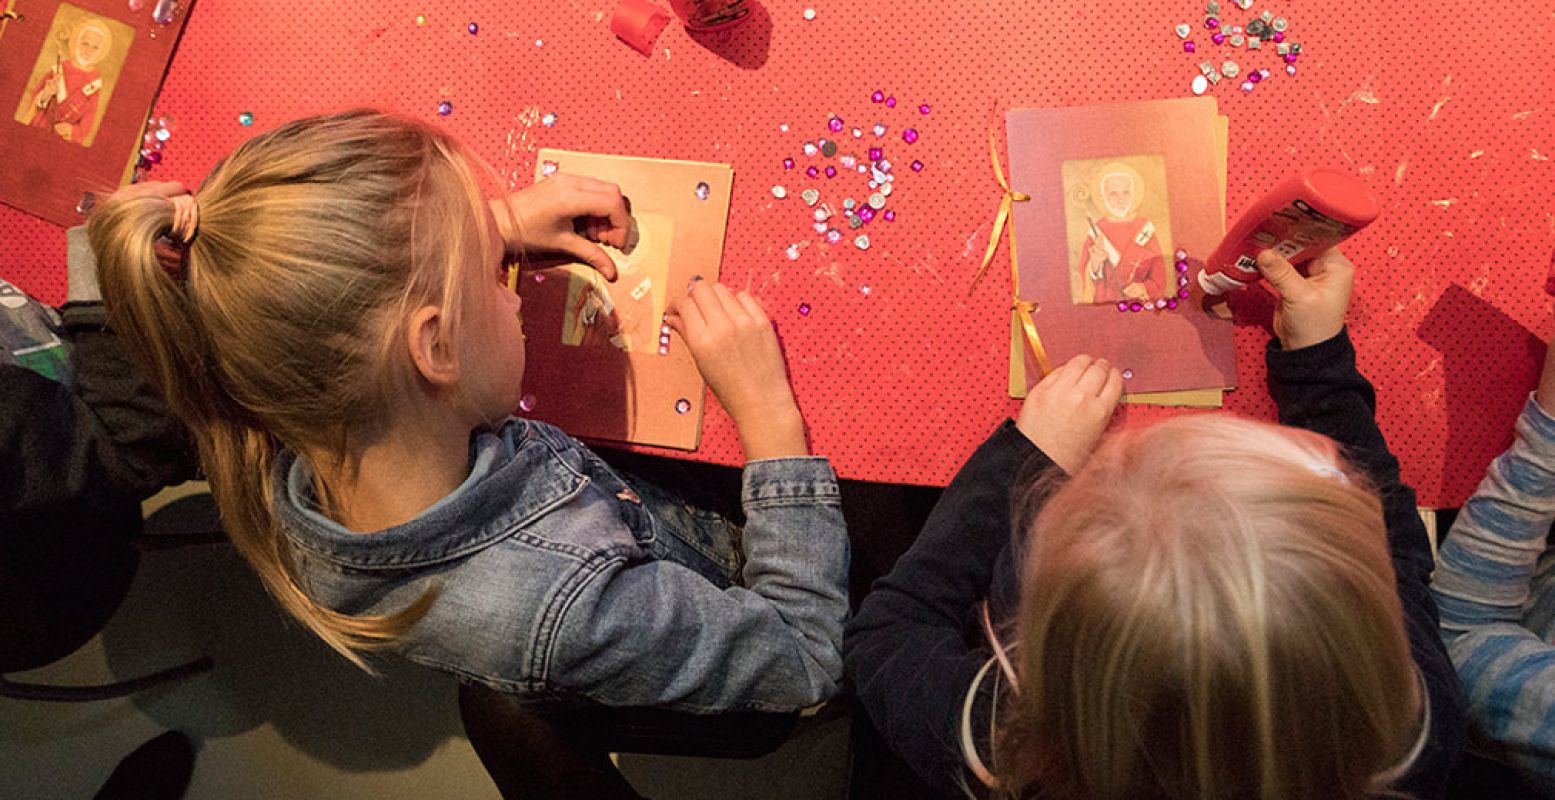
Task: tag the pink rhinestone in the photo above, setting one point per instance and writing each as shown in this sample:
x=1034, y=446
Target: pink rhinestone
x=1171, y=304
x=1256, y=77
x=910, y=135
x=866, y=213
x=1136, y=306
x=835, y=124
x=1211, y=22
x=831, y=172
x=1122, y=305
x=877, y=97
x=1128, y=374
x=1290, y=69
x=1188, y=47
x=1290, y=58
x=874, y=154
x=1182, y=266
x=1181, y=254
x=1183, y=293
x=788, y=163
x=812, y=171
x=890, y=216
x=1218, y=38
x=804, y=309
x=917, y=166
x=924, y=109
x=1279, y=37
x=890, y=102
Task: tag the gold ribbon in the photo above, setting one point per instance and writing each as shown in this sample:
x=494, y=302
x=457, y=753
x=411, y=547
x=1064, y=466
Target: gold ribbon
x=1023, y=309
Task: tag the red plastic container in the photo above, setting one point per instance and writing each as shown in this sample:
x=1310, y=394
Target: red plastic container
x=1303, y=216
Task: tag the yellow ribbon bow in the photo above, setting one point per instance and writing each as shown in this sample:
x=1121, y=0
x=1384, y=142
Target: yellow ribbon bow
x=1024, y=309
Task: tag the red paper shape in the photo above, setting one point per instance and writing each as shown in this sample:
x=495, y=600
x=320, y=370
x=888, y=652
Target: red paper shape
x=638, y=23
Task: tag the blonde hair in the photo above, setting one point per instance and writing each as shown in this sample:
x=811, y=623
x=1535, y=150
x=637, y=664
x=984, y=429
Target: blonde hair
x=283, y=325
x=1208, y=610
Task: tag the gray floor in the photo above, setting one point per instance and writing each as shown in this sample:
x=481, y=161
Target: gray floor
x=283, y=717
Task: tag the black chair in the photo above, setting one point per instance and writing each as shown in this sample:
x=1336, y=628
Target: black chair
x=565, y=754
x=61, y=582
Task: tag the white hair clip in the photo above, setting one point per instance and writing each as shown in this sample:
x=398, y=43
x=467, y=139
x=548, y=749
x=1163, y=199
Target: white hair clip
x=1330, y=471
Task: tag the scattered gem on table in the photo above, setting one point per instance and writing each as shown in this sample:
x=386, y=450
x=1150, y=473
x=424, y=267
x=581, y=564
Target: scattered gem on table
x=703, y=190
x=245, y=119
x=445, y=108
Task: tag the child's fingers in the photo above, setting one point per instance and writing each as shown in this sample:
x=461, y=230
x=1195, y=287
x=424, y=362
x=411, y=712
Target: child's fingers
x=731, y=307
x=753, y=307
x=687, y=317
x=591, y=254
x=1093, y=378
x=707, y=304
x=1112, y=390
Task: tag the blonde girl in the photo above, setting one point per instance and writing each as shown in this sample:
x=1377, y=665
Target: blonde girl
x=1210, y=607
x=333, y=322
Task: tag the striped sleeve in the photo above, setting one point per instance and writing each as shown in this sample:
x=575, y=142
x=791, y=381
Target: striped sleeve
x=1483, y=583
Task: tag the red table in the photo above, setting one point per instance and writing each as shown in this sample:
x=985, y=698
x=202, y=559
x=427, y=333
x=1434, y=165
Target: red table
x=1443, y=107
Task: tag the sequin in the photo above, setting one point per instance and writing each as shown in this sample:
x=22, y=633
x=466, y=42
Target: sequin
x=163, y=12
x=834, y=125
x=1200, y=84
x=527, y=403
x=682, y=406
x=862, y=242
x=779, y=192
x=804, y=309
x=703, y=191
x=473, y=28
x=548, y=120
x=910, y=135
x=788, y=163
x=828, y=148
x=245, y=119
x=445, y=108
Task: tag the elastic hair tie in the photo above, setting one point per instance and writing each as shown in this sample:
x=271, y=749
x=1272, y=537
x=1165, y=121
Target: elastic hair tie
x=1330, y=471
x=186, y=217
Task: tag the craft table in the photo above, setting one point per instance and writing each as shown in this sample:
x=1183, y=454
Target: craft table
x=1442, y=107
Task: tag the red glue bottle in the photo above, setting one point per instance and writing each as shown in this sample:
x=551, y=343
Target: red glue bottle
x=1303, y=216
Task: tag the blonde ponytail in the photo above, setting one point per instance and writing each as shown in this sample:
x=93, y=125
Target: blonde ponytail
x=276, y=327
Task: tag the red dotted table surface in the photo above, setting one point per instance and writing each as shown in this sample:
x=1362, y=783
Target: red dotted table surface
x=1444, y=111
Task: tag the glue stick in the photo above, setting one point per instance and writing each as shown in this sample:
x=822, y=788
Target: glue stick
x=1303, y=216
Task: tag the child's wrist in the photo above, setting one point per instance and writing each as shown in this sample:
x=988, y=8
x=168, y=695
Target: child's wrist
x=777, y=434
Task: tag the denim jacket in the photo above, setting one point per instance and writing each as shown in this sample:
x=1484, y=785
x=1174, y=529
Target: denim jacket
x=558, y=581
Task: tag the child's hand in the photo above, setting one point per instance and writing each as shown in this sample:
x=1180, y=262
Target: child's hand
x=566, y=214
x=1312, y=308
x=1066, y=413
x=737, y=352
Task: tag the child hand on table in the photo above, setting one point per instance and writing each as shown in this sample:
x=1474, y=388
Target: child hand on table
x=737, y=352
x=568, y=215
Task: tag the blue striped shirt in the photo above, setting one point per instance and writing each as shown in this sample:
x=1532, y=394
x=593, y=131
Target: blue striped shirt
x=1495, y=587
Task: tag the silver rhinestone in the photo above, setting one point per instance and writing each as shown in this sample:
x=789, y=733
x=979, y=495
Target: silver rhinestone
x=879, y=129
x=1279, y=24
x=862, y=242
x=809, y=14
x=877, y=201
x=810, y=149
x=1230, y=69
x=886, y=190
x=779, y=192
x=848, y=204
x=793, y=252
x=811, y=196
x=1206, y=67
x=1183, y=30
x=549, y=120
x=1212, y=7
x=1282, y=49
x=703, y=191
x=1213, y=77
x=1237, y=40
x=1255, y=44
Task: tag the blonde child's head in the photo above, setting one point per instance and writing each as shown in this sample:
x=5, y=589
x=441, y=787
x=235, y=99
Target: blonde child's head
x=1208, y=610
x=343, y=272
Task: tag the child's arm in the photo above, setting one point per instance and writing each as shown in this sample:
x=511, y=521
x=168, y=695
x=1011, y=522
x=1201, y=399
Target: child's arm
x=1316, y=386
x=906, y=654
x=1482, y=584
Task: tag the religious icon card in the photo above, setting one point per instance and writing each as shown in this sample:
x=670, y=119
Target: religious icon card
x=1126, y=201
x=601, y=363
x=78, y=80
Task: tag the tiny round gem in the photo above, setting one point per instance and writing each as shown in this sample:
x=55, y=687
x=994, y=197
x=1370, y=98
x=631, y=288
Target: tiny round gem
x=1136, y=306
x=910, y=135
x=809, y=14
x=834, y=124
x=877, y=97
x=1218, y=38
x=1188, y=47
x=445, y=108
x=890, y=215
x=682, y=406
x=1128, y=374
x=917, y=166
x=924, y=109
x=879, y=129
x=779, y=192
x=810, y=149
x=548, y=120
x=703, y=191
x=812, y=171
x=1183, y=293
x=473, y=28
x=527, y=403
x=788, y=163
x=862, y=242
x=421, y=20
x=831, y=172
x=890, y=102
x=875, y=154
x=804, y=309
x=1122, y=305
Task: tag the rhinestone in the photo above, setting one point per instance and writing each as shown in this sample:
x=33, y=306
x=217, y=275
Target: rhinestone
x=445, y=108
x=703, y=191
x=1279, y=24
x=879, y=129
x=1237, y=40
x=828, y=148
x=1183, y=30
x=877, y=201
x=862, y=242
x=1200, y=84
x=779, y=192
x=1230, y=69
x=526, y=403
x=549, y=120
x=809, y=14
x=245, y=119
x=890, y=215
x=788, y=163
x=804, y=309
x=1128, y=374
x=811, y=196
x=682, y=406
x=473, y=28
x=793, y=252
x=810, y=149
